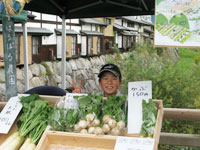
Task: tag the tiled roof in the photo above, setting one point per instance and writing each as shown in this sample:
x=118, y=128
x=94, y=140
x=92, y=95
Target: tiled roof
x=92, y=21
x=91, y=32
x=59, y=31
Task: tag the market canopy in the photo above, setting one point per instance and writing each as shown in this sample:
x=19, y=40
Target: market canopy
x=69, y=9
x=92, y=8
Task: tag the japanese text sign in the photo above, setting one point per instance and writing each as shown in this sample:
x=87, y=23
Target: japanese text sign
x=137, y=91
x=133, y=143
x=9, y=114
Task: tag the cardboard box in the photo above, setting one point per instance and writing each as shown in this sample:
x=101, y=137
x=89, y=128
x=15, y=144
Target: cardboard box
x=96, y=142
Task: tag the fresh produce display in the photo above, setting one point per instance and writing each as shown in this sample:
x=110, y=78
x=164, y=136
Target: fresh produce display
x=99, y=116
x=90, y=112
x=89, y=104
x=114, y=111
x=149, y=118
x=94, y=115
x=62, y=119
x=32, y=123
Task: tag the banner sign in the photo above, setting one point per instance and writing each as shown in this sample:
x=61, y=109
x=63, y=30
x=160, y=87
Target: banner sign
x=9, y=57
x=177, y=23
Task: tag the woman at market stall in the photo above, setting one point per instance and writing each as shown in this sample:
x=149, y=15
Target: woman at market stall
x=110, y=80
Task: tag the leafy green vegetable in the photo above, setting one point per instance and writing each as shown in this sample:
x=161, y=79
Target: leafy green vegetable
x=63, y=119
x=116, y=107
x=33, y=119
x=89, y=104
x=37, y=132
x=149, y=118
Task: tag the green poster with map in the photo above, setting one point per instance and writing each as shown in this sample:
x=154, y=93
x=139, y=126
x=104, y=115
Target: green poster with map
x=177, y=23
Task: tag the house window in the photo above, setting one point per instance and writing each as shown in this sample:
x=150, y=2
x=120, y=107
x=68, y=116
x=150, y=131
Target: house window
x=99, y=45
x=90, y=45
x=124, y=42
x=73, y=45
x=131, y=25
x=35, y=45
x=107, y=21
x=96, y=28
x=129, y=41
x=17, y=44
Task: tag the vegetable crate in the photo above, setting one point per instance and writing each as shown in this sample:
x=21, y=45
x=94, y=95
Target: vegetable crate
x=51, y=99
x=55, y=140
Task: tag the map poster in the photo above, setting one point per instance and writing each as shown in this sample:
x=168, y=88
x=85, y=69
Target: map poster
x=177, y=23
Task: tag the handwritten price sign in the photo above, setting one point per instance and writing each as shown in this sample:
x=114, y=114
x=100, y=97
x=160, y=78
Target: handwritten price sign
x=9, y=114
x=141, y=91
x=133, y=143
x=137, y=91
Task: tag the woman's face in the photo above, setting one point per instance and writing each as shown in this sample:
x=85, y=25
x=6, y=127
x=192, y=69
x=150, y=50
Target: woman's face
x=109, y=83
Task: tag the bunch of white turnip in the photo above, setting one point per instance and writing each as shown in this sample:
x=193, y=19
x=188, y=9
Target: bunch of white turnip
x=112, y=127
x=101, y=117
x=91, y=125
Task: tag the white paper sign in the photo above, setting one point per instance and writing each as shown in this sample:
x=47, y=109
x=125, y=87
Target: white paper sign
x=133, y=143
x=70, y=101
x=9, y=114
x=137, y=91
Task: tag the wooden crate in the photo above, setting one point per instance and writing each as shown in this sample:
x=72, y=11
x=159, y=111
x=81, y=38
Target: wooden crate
x=3, y=137
x=96, y=142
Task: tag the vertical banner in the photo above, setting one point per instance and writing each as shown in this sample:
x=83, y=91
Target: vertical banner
x=9, y=56
x=137, y=91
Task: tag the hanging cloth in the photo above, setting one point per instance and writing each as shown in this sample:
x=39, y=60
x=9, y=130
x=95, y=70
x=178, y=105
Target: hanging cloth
x=13, y=7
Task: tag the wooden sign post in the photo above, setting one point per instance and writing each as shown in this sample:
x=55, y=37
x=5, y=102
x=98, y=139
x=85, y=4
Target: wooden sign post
x=9, y=56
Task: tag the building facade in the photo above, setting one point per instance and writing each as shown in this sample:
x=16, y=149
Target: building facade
x=84, y=37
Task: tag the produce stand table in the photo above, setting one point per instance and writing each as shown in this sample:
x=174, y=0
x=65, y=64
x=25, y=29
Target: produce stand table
x=96, y=142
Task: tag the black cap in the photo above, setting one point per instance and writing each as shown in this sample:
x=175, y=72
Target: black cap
x=110, y=68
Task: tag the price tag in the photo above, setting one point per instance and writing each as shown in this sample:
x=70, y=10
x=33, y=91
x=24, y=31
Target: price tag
x=70, y=101
x=137, y=91
x=9, y=114
x=133, y=143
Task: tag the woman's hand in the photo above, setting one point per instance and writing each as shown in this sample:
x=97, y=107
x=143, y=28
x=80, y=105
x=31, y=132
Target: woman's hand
x=76, y=89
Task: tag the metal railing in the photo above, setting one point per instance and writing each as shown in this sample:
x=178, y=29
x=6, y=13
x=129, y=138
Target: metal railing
x=180, y=139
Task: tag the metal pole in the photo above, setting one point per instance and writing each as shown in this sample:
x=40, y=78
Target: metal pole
x=26, y=80
x=63, y=52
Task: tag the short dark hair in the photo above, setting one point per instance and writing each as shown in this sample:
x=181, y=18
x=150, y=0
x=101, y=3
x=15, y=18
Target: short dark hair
x=114, y=69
